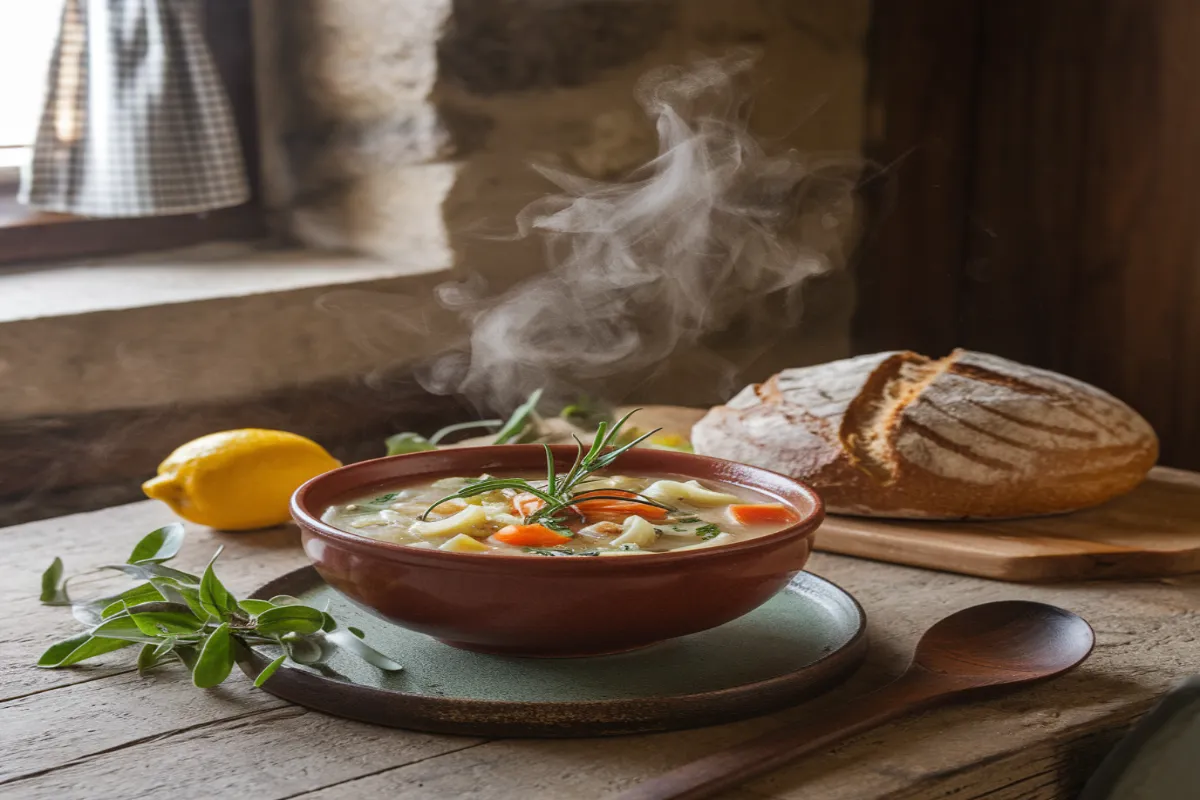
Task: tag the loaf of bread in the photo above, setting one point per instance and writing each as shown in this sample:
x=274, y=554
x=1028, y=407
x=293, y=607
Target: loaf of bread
x=967, y=436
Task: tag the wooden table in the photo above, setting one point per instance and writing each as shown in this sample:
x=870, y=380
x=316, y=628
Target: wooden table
x=103, y=732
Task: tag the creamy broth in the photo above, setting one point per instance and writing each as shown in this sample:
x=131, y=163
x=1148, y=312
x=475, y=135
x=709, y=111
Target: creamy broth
x=611, y=515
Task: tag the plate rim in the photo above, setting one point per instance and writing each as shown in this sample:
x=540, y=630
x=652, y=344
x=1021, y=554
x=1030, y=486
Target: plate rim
x=484, y=716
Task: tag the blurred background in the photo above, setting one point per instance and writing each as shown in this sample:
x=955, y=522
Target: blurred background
x=298, y=177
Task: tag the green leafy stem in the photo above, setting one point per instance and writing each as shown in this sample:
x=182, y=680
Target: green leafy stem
x=176, y=616
x=563, y=491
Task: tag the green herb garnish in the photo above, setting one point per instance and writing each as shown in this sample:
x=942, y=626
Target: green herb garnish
x=383, y=499
x=521, y=420
x=559, y=551
x=562, y=491
x=193, y=619
x=408, y=442
x=708, y=531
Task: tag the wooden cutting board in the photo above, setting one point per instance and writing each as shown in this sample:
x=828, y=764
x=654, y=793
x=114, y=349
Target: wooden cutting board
x=1152, y=531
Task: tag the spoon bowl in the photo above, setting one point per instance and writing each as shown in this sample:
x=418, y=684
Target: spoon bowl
x=984, y=647
x=1004, y=643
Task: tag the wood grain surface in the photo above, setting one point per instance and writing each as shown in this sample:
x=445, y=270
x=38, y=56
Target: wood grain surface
x=99, y=731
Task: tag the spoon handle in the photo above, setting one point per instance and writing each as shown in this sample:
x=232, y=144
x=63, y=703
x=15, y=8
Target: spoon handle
x=714, y=773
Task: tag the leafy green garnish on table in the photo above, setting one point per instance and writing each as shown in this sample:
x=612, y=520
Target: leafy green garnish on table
x=197, y=621
x=587, y=413
x=523, y=425
x=520, y=422
x=408, y=442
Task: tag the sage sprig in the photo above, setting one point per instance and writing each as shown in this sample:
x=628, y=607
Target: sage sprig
x=193, y=620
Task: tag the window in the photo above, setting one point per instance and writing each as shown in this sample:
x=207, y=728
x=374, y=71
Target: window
x=27, y=32
x=26, y=40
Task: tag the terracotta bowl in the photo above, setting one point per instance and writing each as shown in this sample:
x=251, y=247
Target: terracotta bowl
x=552, y=607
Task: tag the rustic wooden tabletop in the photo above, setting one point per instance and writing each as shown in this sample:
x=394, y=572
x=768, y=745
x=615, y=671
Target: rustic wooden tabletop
x=101, y=731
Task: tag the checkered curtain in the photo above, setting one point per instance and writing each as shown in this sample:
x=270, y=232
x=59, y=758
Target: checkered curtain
x=136, y=122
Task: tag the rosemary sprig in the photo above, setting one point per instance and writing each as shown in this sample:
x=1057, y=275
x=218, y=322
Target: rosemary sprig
x=561, y=492
x=194, y=620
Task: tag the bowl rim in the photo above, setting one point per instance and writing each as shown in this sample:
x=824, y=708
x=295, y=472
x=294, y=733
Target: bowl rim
x=806, y=525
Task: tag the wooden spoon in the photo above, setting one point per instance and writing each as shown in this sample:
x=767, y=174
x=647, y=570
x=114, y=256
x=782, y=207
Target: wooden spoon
x=985, y=647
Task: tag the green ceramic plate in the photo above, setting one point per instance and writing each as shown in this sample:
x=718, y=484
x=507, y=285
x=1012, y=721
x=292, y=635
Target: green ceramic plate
x=803, y=641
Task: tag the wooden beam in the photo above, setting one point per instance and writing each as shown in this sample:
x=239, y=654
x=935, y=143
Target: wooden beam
x=1086, y=250
x=920, y=134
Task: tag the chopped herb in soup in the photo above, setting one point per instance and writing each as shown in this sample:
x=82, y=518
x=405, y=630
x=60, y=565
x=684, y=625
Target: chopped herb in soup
x=613, y=515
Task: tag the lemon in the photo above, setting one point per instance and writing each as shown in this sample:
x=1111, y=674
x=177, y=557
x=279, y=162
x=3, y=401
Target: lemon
x=670, y=441
x=238, y=480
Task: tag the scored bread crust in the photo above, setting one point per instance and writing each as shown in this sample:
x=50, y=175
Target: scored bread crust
x=972, y=435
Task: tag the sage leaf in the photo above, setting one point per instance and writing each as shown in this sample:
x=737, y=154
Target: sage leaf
x=437, y=438
x=356, y=631
x=165, y=646
x=149, y=657
x=77, y=648
x=122, y=627
x=289, y=619
x=158, y=546
x=88, y=614
x=285, y=600
x=328, y=623
x=54, y=589
x=187, y=655
x=519, y=421
x=407, y=442
x=163, y=619
x=350, y=642
x=142, y=593
x=255, y=607
x=214, y=597
x=145, y=572
x=308, y=649
x=269, y=670
x=215, y=660
x=174, y=592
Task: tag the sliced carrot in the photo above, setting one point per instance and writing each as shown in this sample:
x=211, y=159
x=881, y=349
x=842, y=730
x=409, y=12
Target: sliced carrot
x=761, y=514
x=526, y=503
x=529, y=536
x=605, y=509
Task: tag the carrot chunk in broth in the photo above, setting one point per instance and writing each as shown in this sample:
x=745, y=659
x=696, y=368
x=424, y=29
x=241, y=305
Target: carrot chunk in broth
x=761, y=514
x=529, y=536
x=603, y=508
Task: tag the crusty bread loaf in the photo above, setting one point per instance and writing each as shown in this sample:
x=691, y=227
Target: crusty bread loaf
x=967, y=436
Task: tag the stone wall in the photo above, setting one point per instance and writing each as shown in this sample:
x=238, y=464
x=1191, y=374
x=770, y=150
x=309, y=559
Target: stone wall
x=406, y=129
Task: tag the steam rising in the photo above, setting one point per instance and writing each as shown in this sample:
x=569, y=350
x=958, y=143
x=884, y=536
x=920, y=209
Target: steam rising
x=711, y=231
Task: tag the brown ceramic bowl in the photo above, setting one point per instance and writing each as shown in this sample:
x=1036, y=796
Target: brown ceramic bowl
x=530, y=606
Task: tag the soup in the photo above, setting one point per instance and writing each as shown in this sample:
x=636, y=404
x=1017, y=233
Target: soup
x=609, y=515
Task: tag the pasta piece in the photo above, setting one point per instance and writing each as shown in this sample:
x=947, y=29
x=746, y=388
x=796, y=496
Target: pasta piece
x=691, y=492
x=719, y=539
x=472, y=521
x=636, y=531
x=464, y=544
x=625, y=550
x=601, y=530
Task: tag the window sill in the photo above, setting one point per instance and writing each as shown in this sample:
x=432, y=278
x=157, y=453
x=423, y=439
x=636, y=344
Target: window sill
x=208, y=272
x=216, y=323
